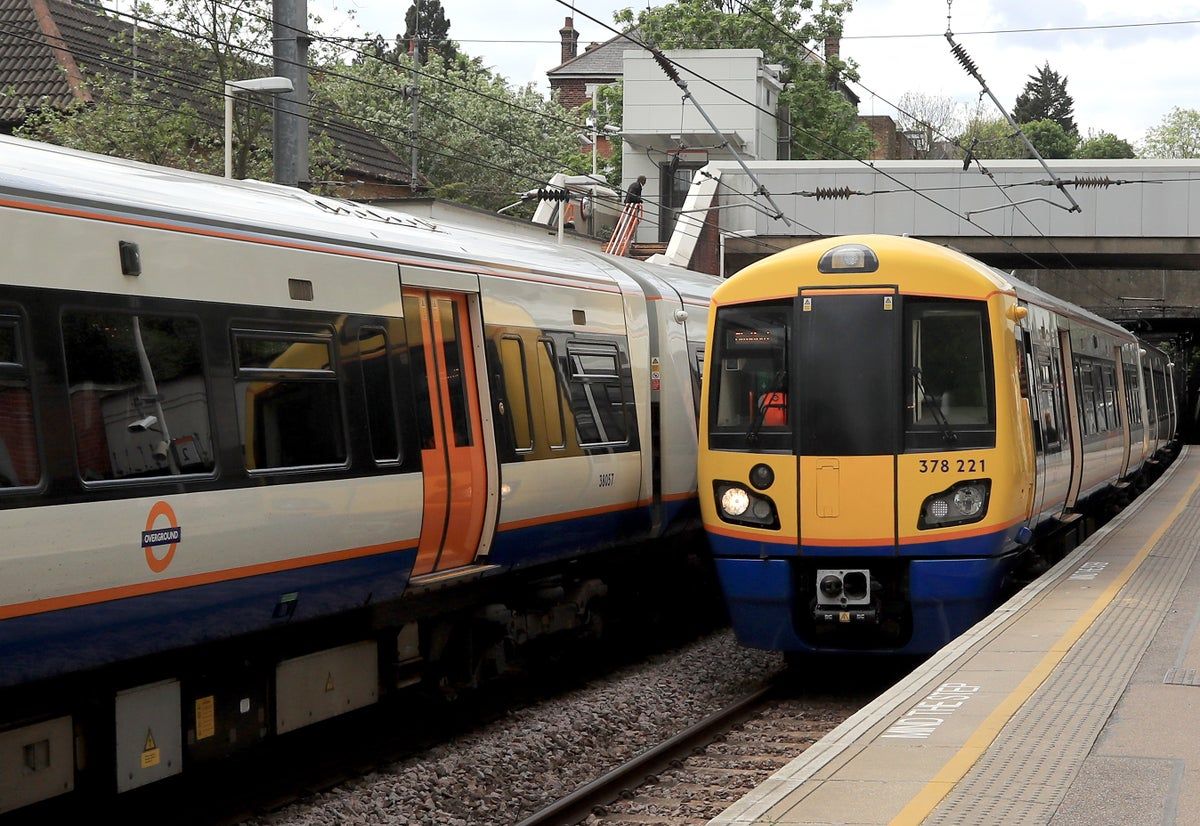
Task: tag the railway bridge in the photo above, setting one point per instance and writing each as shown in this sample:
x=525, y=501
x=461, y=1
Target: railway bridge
x=1130, y=252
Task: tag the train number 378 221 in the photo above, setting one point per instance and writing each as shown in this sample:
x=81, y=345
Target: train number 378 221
x=953, y=465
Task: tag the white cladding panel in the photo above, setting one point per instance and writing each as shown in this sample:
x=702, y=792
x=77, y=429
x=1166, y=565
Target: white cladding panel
x=188, y=267
x=551, y=487
x=549, y=306
x=81, y=548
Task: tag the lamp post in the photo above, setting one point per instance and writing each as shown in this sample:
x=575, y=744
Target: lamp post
x=274, y=85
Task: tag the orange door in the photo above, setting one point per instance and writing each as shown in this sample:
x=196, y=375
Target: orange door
x=452, y=458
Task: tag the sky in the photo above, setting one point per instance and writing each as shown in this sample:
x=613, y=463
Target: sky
x=1123, y=80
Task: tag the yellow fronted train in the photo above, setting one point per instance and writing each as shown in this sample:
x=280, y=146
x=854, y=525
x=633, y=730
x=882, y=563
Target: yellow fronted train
x=888, y=424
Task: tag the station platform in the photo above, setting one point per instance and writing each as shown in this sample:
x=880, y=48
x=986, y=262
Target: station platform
x=1076, y=702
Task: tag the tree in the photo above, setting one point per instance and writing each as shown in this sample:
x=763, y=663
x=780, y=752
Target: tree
x=1104, y=145
x=1049, y=138
x=938, y=118
x=824, y=123
x=480, y=139
x=989, y=136
x=1177, y=136
x=427, y=29
x=158, y=98
x=1045, y=98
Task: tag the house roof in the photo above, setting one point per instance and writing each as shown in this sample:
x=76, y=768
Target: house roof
x=50, y=48
x=603, y=61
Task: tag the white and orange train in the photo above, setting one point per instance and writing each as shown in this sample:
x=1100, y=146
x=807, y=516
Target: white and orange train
x=265, y=455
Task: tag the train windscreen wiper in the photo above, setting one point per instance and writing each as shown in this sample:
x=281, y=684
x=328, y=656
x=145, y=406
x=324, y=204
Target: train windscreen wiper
x=934, y=408
x=764, y=401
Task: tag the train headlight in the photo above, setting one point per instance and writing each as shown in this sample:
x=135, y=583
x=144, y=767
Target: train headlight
x=740, y=506
x=735, y=501
x=969, y=499
x=962, y=503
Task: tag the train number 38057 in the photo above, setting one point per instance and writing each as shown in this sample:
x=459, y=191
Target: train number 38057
x=956, y=465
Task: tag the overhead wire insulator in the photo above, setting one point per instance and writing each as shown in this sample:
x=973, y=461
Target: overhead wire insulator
x=553, y=194
x=964, y=59
x=1092, y=181
x=666, y=65
x=830, y=193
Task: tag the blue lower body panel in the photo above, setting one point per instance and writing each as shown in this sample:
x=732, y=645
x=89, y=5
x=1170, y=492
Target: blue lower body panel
x=945, y=596
x=59, y=642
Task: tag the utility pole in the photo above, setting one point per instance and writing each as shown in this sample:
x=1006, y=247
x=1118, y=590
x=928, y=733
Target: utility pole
x=595, y=123
x=415, y=97
x=291, y=113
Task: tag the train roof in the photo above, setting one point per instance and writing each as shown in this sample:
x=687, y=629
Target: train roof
x=944, y=272
x=109, y=186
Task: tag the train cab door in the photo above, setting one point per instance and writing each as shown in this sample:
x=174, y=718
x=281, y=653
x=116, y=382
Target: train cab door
x=847, y=431
x=453, y=452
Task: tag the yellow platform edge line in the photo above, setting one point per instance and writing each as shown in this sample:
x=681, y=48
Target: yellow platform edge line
x=923, y=804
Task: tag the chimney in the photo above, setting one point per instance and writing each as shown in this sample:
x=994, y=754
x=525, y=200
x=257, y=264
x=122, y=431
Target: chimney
x=833, y=46
x=570, y=40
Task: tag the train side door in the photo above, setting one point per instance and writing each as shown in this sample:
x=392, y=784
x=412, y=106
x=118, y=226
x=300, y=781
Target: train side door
x=1074, y=423
x=453, y=458
x=1123, y=408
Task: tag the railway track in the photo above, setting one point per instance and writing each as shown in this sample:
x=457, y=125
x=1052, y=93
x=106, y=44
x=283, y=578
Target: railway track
x=692, y=777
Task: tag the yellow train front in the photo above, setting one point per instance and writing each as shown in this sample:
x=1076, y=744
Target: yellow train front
x=865, y=476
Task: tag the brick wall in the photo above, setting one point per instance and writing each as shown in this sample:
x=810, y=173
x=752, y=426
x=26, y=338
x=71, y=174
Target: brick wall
x=18, y=434
x=91, y=440
x=571, y=93
x=707, y=255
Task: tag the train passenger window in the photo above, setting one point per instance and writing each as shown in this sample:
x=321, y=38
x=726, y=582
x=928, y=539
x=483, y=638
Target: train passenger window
x=750, y=365
x=20, y=466
x=452, y=353
x=1110, y=399
x=139, y=402
x=289, y=406
x=379, y=392
x=597, y=394
x=551, y=394
x=516, y=392
x=1087, y=399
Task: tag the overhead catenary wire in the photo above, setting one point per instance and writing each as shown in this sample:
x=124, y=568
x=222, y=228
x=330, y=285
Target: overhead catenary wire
x=818, y=139
x=933, y=129
x=169, y=80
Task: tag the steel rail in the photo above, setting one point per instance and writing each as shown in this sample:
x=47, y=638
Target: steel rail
x=628, y=776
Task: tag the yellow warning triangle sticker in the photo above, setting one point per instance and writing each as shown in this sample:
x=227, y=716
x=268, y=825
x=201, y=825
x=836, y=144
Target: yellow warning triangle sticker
x=329, y=682
x=149, y=741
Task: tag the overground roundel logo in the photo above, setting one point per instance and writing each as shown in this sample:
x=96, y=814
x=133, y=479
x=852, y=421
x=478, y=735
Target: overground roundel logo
x=157, y=535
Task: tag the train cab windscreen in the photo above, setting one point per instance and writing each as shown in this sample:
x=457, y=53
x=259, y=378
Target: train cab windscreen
x=748, y=404
x=949, y=402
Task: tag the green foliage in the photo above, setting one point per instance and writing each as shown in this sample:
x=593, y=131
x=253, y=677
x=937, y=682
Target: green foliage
x=1050, y=139
x=426, y=21
x=170, y=111
x=1177, y=136
x=1104, y=145
x=468, y=143
x=988, y=137
x=609, y=109
x=128, y=123
x=1045, y=98
x=824, y=123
